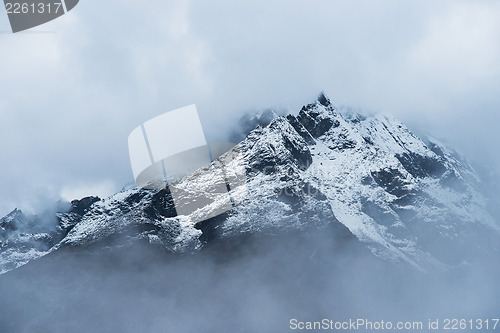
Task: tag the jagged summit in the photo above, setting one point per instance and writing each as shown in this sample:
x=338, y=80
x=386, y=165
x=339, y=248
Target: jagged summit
x=323, y=99
x=12, y=219
x=250, y=121
x=368, y=177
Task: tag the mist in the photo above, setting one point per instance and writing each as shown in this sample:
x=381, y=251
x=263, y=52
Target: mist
x=249, y=284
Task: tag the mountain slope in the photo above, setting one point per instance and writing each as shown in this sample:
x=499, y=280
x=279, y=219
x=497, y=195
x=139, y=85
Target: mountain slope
x=407, y=199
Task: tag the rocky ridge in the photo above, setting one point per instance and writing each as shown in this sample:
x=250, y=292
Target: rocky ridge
x=369, y=177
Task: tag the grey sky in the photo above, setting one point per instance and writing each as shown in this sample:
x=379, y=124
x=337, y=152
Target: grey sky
x=73, y=89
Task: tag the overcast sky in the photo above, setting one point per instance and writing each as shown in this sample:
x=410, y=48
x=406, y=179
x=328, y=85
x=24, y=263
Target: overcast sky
x=73, y=89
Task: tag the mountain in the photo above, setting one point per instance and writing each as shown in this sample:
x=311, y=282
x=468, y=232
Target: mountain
x=27, y=237
x=365, y=179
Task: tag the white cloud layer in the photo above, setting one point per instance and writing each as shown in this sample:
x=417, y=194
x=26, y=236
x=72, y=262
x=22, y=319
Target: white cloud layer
x=72, y=90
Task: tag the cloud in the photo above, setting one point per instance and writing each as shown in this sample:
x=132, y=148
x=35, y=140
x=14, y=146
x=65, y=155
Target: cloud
x=102, y=190
x=73, y=90
x=459, y=45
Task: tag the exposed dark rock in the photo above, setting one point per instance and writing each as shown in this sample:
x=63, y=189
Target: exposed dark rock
x=323, y=100
x=421, y=166
x=161, y=205
x=81, y=206
x=390, y=180
x=299, y=152
x=300, y=129
x=210, y=228
x=316, y=122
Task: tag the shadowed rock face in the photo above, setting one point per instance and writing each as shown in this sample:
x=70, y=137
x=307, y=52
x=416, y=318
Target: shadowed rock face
x=82, y=206
x=316, y=123
x=369, y=178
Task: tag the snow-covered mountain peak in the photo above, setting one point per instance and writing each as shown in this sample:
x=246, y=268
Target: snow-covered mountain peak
x=11, y=220
x=367, y=177
x=275, y=145
x=323, y=99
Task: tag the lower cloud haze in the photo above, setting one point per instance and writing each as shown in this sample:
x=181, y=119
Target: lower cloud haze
x=261, y=286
